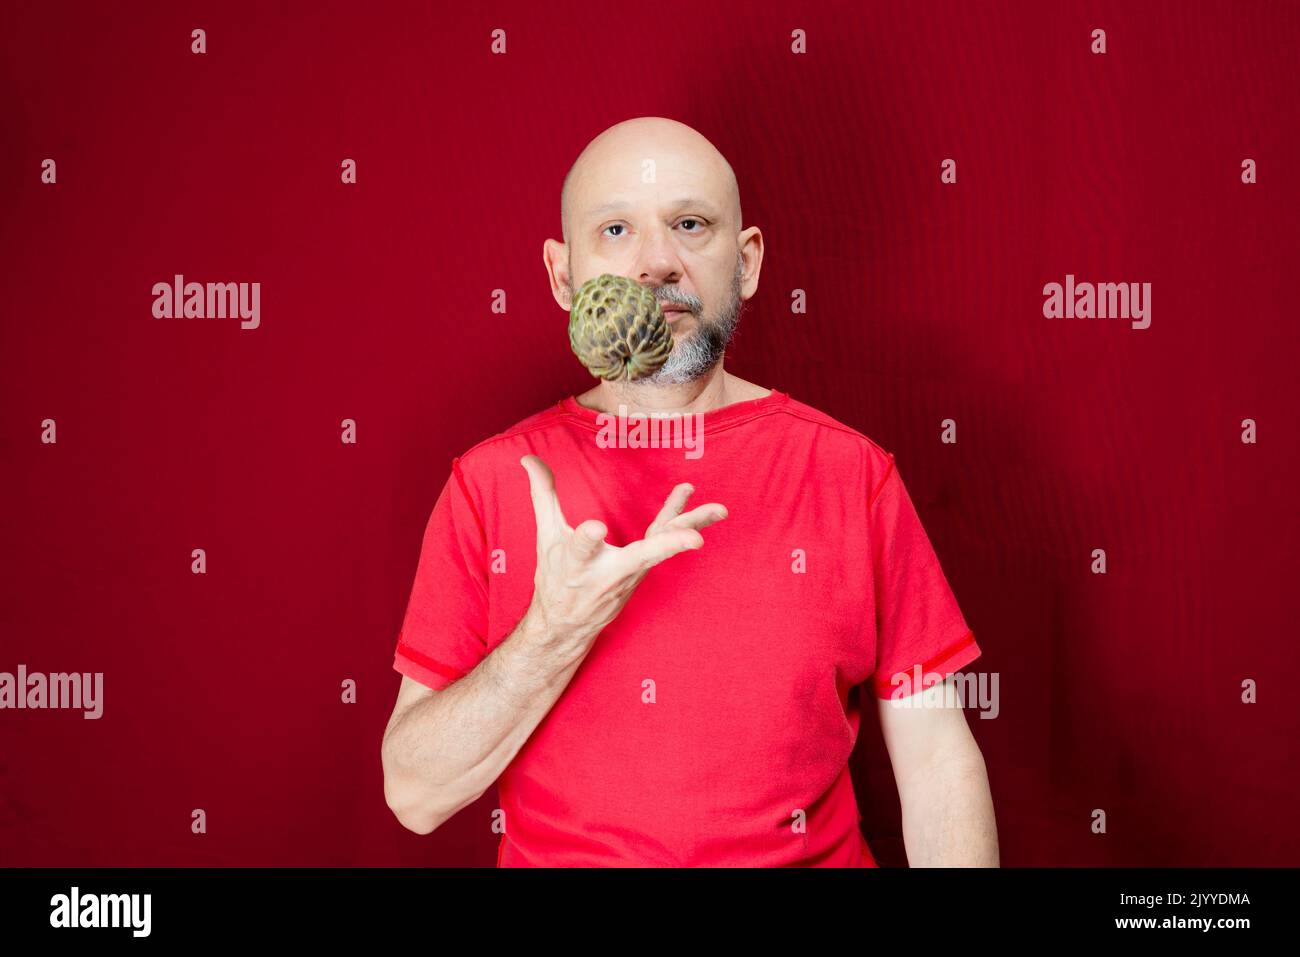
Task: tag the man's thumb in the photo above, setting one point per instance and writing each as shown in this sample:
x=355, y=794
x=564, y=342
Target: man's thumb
x=587, y=539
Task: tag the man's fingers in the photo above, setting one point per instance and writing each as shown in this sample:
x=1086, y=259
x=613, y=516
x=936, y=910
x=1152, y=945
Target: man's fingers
x=546, y=504
x=672, y=507
x=587, y=539
x=701, y=517
x=651, y=551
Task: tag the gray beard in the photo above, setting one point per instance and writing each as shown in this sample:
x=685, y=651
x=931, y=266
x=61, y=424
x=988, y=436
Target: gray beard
x=693, y=356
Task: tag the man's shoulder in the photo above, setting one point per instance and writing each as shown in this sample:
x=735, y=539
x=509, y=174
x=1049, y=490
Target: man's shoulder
x=841, y=437
x=512, y=442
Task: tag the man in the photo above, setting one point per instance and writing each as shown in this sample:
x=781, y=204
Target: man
x=643, y=693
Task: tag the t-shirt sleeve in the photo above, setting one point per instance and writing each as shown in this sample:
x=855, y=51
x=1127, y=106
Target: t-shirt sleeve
x=918, y=621
x=444, y=630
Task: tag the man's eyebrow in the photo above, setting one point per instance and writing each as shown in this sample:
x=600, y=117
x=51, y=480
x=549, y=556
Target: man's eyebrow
x=619, y=205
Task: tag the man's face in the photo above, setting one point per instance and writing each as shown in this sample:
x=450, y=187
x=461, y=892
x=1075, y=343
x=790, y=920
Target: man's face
x=661, y=210
x=700, y=335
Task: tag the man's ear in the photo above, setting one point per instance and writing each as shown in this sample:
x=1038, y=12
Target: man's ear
x=751, y=255
x=555, y=255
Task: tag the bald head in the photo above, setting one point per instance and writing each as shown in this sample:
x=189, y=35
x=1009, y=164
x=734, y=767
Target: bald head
x=620, y=162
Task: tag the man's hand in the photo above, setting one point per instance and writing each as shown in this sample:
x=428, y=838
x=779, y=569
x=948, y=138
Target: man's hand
x=582, y=582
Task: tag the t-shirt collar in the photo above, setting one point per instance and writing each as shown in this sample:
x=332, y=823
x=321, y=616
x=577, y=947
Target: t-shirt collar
x=714, y=419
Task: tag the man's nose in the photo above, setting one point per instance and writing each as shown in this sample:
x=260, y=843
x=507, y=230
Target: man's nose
x=657, y=260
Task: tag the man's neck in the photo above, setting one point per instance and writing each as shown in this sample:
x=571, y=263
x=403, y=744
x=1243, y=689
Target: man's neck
x=712, y=391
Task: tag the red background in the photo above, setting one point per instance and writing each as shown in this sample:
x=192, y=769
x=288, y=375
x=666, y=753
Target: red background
x=222, y=691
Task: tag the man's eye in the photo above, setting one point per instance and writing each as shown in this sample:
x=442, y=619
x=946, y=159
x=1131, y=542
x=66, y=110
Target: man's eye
x=614, y=226
x=692, y=220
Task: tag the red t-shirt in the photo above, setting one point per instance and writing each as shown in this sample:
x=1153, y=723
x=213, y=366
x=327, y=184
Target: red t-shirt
x=711, y=722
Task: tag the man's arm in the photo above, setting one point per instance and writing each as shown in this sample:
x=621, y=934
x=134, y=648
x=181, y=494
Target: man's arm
x=442, y=750
x=943, y=786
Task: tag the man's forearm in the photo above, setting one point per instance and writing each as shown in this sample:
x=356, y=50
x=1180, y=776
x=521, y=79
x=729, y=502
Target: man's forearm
x=446, y=750
x=948, y=818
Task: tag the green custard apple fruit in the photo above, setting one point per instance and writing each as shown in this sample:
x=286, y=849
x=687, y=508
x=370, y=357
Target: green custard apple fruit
x=617, y=328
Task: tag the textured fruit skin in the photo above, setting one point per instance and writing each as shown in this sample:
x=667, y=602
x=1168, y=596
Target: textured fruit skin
x=617, y=328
